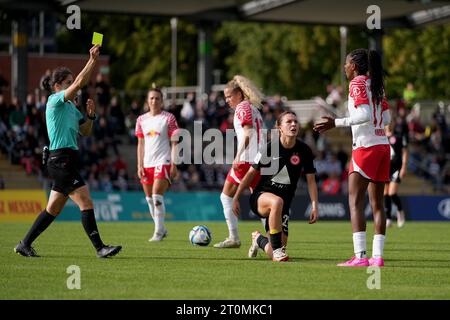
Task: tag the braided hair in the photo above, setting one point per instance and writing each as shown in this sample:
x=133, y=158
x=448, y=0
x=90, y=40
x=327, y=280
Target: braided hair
x=369, y=61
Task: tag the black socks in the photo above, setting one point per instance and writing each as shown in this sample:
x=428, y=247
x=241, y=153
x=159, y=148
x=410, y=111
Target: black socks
x=90, y=226
x=262, y=241
x=41, y=223
x=397, y=201
x=275, y=240
x=388, y=206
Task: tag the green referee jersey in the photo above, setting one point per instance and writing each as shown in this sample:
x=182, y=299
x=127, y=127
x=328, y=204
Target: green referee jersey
x=63, y=122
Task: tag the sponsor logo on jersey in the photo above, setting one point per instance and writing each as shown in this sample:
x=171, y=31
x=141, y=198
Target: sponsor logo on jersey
x=153, y=133
x=295, y=159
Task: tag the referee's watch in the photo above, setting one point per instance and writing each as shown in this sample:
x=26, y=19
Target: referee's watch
x=92, y=118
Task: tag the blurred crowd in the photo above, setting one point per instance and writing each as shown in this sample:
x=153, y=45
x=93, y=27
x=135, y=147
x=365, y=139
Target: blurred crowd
x=105, y=157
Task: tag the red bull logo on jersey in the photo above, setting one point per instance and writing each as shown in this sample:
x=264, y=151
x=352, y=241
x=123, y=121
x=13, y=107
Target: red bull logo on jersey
x=153, y=133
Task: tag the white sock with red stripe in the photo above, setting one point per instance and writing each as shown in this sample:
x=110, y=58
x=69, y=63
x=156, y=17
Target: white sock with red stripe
x=378, y=245
x=160, y=211
x=232, y=220
x=151, y=207
x=359, y=244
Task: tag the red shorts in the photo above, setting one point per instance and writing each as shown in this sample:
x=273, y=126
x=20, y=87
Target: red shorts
x=159, y=172
x=372, y=163
x=236, y=176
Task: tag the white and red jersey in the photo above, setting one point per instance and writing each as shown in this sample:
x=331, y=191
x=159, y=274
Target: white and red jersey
x=247, y=114
x=372, y=132
x=156, y=132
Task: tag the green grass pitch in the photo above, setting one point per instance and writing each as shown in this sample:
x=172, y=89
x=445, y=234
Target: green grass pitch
x=417, y=264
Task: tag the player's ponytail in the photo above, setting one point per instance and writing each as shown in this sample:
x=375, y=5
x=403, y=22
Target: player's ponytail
x=248, y=90
x=58, y=76
x=46, y=84
x=376, y=76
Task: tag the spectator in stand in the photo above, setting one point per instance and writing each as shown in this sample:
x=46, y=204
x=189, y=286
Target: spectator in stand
x=415, y=126
x=16, y=117
x=227, y=124
x=119, y=164
x=130, y=120
x=268, y=118
x=93, y=183
x=116, y=116
x=187, y=112
x=102, y=90
x=4, y=111
x=409, y=95
x=334, y=95
x=342, y=156
x=121, y=181
x=105, y=133
x=3, y=83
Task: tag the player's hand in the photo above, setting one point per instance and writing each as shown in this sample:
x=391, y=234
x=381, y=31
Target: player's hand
x=325, y=124
x=173, y=171
x=235, y=165
x=314, y=216
x=140, y=172
x=402, y=172
x=236, y=207
x=90, y=108
x=94, y=52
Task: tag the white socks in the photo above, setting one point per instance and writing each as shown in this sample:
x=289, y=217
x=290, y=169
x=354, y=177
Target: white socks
x=359, y=244
x=160, y=211
x=378, y=245
x=232, y=220
x=151, y=207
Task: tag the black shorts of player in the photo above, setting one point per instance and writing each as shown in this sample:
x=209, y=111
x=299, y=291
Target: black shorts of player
x=394, y=174
x=284, y=215
x=63, y=169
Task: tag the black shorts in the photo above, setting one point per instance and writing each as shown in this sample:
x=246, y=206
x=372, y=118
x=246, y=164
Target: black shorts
x=63, y=169
x=394, y=174
x=284, y=215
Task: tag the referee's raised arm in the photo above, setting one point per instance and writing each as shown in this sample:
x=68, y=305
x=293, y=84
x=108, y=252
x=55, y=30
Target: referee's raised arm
x=83, y=77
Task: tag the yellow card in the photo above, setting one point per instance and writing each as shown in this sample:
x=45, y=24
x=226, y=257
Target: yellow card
x=97, y=38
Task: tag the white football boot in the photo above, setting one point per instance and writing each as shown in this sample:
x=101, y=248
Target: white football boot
x=280, y=255
x=158, y=236
x=400, y=218
x=253, y=250
x=228, y=243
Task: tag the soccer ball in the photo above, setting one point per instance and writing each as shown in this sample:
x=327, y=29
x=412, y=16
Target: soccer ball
x=200, y=236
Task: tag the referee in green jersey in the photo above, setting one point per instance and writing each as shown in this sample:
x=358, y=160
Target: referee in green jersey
x=64, y=123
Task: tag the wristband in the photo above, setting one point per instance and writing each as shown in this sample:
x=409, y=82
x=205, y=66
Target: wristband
x=92, y=118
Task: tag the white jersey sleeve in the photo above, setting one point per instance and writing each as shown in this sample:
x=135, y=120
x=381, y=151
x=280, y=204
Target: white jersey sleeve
x=366, y=118
x=247, y=114
x=156, y=132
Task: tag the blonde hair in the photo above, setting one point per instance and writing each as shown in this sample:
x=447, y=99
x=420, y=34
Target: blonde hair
x=248, y=90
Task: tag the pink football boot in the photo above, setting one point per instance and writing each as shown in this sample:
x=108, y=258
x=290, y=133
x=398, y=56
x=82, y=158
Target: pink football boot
x=355, y=262
x=378, y=262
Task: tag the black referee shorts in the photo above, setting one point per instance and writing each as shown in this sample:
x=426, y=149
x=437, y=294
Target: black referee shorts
x=284, y=215
x=63, y=169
